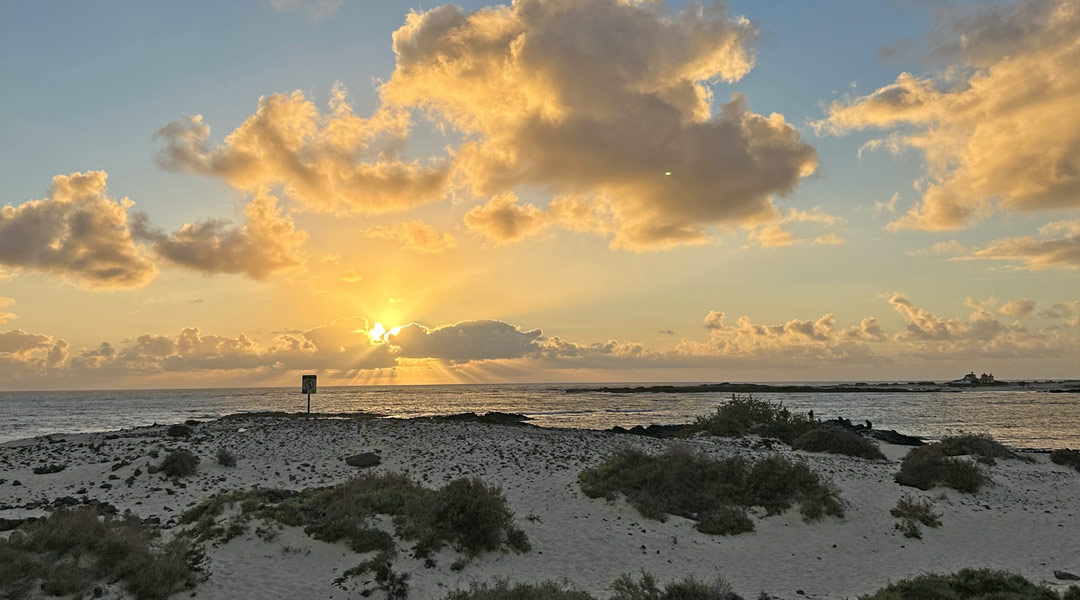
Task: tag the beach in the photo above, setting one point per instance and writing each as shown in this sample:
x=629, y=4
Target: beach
x=1025, y=521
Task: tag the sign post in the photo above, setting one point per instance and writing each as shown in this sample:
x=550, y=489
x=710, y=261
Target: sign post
x=307, y=386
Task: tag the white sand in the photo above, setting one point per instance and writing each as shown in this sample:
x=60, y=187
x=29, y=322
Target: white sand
x=1027, y=521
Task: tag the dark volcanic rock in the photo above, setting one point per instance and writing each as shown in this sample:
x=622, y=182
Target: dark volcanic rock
x=1066, y=576
x=493, y=418
x=655, y=431
x=364, y=460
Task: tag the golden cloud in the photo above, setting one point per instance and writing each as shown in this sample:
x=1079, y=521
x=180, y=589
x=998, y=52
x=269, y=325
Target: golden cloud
x=331, y=162
x=1005, y=135
x=76, y=233
x=1038, y=253
x=416, y=236
x=266, y=243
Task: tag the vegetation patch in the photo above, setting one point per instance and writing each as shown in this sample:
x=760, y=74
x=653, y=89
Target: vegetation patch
x=926, y=467
x=72, y=550
x=743, y=415
x=712, y=491
x=179, y=463
x=1068, y=458
x=970, y=584
x=467, y=514
x=978, y=444
x=627, y=587
x=837, y=441
x=501, y=590
x=225, y=458
x=912, y=513
x=179, y=431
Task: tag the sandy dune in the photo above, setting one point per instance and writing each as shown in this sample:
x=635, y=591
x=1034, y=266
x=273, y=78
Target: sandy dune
x=1027, y=521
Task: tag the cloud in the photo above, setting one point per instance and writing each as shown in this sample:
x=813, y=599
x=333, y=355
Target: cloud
x=465, y=341
x=76, y=233
x=23, y=353
x=1061, y=310
x=502, y=220
x=939, y=248
x=599, y=100
x=332, y=162
x=999, y=131
x=981, y=335
x=773, y=236
x=416, y=236
x=341, y=347
x=6, y=301
x=266, y=243
x=316, y=10
x=830, y=239
x=1018, y=308
x=817, y=339
x=1034, y=253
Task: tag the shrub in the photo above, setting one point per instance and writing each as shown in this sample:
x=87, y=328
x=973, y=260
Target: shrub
x=926, y=467
x=466, y=513
x=968, y=584
x=912, y=512
x=726, y=520
x=627, y=588
x=501, y=590
x=691, y=485
x=179, y=431
x=226, y=458
x=837, y=441
x=976, y=444
x=744, y=415
x=1067, y=458
x=179, y=463
x=71, y=550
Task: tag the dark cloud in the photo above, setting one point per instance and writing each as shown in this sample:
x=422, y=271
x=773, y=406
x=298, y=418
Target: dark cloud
x=266, y=243
x=465, y=341
x=76, y=233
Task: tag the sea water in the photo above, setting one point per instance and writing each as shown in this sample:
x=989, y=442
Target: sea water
x=1029, y=419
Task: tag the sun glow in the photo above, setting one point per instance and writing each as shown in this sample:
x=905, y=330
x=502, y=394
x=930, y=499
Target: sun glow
x=379, y=332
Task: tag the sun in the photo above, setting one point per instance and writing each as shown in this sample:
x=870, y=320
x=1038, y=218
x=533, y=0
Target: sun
x=379, y=332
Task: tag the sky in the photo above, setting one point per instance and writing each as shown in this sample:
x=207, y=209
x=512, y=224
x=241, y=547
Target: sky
x=231, y=194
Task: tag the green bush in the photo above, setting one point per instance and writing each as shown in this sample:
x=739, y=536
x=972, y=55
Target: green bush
x=179, y=431
x=926, y=467
x=837, y=441
x=70, y=551
x=691, y=485
x=744, y=415
x=914, y=512
x=468, y=514
x=976, y=444
x=645, y=588
x=225, y=458
x=726, y=520
x=1067, y=458
x=180, y=463
x=968, y=584
x=502, y=590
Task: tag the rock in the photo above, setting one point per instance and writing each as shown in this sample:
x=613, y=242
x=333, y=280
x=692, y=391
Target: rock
x=179, y=431
x=363, y=460
x=1066, y=576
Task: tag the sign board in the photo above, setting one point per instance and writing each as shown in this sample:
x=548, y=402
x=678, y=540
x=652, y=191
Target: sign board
x=307, y=384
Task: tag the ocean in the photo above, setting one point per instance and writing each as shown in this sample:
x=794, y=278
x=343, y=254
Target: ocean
x=1026, y=419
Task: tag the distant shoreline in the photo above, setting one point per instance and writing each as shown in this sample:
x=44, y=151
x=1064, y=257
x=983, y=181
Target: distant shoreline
x=892, y=388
